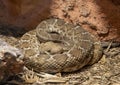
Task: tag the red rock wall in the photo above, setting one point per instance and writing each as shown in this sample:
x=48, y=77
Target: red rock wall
x=100, y=17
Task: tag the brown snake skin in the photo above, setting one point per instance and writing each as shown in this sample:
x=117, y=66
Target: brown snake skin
x=58, y=46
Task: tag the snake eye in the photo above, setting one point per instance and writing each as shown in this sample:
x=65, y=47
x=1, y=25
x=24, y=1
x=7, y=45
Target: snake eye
x=53, y=32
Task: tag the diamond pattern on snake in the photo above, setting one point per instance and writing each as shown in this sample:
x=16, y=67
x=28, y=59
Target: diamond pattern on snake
x=58, y=46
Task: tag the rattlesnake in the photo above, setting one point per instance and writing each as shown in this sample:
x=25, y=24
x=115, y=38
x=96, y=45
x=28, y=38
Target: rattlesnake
x=58, y=46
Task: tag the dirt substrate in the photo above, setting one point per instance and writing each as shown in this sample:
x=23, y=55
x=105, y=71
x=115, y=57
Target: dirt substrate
x=105, y=72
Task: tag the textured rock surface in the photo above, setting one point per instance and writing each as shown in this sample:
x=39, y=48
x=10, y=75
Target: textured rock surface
x=99, y=17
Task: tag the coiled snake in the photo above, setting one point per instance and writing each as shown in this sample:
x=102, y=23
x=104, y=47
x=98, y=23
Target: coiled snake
x=58, y=46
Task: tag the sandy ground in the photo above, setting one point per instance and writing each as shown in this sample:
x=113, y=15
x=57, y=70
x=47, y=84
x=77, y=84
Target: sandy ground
x=105, y=72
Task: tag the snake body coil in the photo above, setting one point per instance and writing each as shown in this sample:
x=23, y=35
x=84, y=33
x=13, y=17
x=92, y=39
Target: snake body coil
x=57, y=46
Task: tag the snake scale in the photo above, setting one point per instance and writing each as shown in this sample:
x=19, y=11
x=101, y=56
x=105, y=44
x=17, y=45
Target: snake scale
x=58, y=46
